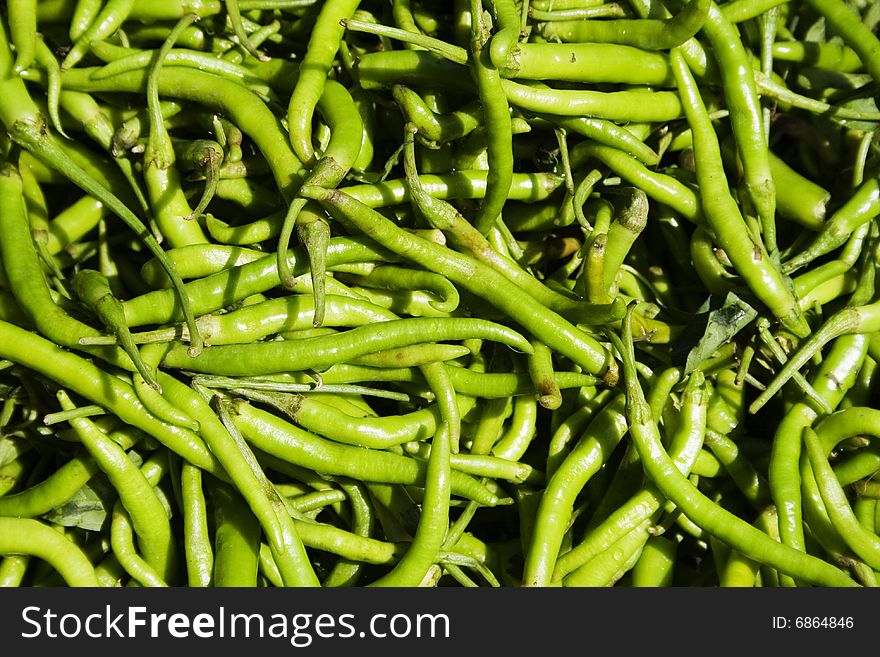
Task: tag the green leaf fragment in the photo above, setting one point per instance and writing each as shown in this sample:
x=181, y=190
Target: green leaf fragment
x=88, y=508
x=722, y=325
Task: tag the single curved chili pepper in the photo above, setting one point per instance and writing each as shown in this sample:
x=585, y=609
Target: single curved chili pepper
x=658, y=186
x=568, y=479
x=507, y=23
x=323, y=44
x=124, y=549
x=306, y=503
x=435, y=128
x=84, y=14
x=484, y=465
x=607, y=567
x=608, y=10
x=833, y=56
x=496, y=116
x=53, y=491
x=331, y=539
x=411, y=38
x=23, y=536
x=642, y=33
x=197, y=546
x=198, y=261
x=750, y=482
x=152, y=398
x=588, y=61
x=121, y=60
x=656, y=564
x=520, y=431
x=236, y=538
x=859, y=469
x=746, y=119
x=13, y=569
x=374, y=432
x=631, y=104
x=723, y=214
x=694, y=53
x=446, y=298
x=45, y=58
x=276, y=315
x=324, y=351
x=412, y=355
x=491, y=385
x=607, y=133
x=797, y=197
x=739, y=11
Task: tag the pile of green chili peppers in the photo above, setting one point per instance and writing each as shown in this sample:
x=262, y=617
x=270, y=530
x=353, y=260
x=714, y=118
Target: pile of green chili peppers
x=439, y=293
